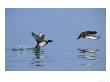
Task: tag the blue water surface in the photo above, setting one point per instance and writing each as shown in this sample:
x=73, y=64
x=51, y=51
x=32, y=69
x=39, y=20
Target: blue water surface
x=62, y=26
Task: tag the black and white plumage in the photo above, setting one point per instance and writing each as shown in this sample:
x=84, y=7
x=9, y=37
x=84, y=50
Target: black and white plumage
x=89, y=35
x=40, y=39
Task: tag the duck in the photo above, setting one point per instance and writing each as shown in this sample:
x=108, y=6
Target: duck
x=89, y=35
x=40, y=39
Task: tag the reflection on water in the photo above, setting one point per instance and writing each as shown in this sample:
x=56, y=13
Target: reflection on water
x=39, y=57
x=87, y=64
x=88, y=54
x=88, y=50
x=20, y=58
x=38, y=53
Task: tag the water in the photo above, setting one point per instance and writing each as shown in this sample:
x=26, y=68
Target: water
x=62, y=26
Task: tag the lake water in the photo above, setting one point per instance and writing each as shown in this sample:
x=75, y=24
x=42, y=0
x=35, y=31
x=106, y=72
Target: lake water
x=63, y=26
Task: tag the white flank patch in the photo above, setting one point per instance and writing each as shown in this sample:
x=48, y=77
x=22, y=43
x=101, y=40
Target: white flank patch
x=92, y=37
x=42, y=44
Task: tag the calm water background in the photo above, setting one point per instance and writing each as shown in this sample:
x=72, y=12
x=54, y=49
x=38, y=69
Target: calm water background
x=61, y=25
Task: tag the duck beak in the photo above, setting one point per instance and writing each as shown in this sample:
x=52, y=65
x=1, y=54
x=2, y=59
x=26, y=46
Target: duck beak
x=50, y=40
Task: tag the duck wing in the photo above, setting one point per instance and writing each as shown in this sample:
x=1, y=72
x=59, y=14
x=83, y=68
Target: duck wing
x=90, y=32
x=34, y=35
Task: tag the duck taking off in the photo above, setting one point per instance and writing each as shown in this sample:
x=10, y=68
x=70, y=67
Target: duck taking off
x=89, y=35
x=40, y=39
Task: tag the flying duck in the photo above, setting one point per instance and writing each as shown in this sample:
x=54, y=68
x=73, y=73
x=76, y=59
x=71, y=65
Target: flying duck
x=40, y=39
x=89, y=35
